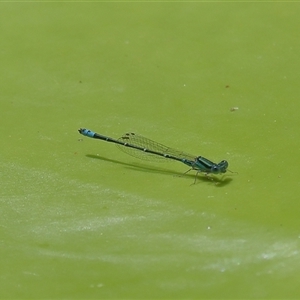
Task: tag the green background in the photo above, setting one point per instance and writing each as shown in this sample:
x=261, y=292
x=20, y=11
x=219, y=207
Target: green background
x=81, y=219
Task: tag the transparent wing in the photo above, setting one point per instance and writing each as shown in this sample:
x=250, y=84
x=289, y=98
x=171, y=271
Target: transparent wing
x=149, y=145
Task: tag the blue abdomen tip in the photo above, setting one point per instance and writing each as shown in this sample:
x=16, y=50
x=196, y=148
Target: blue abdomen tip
x=87, y=132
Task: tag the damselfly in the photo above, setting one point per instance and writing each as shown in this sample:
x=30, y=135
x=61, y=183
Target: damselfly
x=143, y=148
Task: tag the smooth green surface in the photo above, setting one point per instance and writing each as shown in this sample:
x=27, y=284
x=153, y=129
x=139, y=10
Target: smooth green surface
x=81, y=219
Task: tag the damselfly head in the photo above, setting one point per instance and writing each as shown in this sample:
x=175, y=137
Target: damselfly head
x=221, y=167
